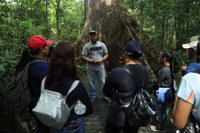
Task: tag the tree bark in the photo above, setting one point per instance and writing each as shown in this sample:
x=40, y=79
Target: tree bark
x=58, y=17
x=115, y=26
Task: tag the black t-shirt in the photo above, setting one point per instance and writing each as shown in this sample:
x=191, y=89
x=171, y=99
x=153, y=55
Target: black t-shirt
x=120, y=86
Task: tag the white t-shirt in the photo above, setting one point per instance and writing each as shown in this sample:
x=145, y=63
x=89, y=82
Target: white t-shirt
x=189, y=90
x=95, y=51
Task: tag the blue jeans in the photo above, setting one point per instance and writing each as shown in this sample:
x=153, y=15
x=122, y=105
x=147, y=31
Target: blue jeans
x=92, y=76
x=162, y=98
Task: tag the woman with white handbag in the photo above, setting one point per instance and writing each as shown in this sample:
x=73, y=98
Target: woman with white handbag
x=61, y=75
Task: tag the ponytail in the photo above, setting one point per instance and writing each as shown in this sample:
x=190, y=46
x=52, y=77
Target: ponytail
x=172, y=72
x=172, y=97
x=25, y=58
x=198, y=52
x=170, y=58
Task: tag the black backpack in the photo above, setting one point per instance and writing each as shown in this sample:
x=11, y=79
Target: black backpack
x=18, y=96
x=141, y=109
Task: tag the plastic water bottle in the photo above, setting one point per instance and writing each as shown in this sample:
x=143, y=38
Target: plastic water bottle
x=79, y=108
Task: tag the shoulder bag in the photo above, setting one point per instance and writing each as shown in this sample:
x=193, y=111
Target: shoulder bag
x=52, y=109
x=141, y=108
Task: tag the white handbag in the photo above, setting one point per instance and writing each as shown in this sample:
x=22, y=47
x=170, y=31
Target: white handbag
x=52, y=109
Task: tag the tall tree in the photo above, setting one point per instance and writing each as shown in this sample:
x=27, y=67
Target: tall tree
x=57, y=16
x=115, y=26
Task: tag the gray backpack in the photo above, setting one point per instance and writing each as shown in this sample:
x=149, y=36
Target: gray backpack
x=18, y=96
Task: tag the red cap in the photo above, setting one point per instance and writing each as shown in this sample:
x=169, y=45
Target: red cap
x=38, y=41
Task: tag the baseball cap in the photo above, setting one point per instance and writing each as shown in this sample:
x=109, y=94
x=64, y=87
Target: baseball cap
x=134, y=48
x=190, y=45
x=92, y=32
x=38, y=41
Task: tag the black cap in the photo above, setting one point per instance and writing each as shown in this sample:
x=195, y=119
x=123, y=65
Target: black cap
x=92, y=32
x=134, y=48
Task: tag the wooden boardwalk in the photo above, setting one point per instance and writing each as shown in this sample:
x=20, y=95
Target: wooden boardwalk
x=95, y=122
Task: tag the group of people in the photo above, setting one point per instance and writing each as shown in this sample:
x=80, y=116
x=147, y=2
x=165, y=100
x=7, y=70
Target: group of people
x=186, y=101
x=60, y=72
x=118, y=88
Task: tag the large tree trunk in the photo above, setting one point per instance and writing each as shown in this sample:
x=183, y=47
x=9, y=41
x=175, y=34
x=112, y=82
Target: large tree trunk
x=115, y=26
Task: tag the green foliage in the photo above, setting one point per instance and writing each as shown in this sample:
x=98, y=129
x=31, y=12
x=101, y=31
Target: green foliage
x=169, y=23
x=8, y=62
x=22, y=18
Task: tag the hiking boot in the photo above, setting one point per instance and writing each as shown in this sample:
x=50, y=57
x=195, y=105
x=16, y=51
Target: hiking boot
x=157, y=128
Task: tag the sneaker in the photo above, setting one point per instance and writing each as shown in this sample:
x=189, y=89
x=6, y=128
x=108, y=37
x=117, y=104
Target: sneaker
x=107, y=99
x=157, y=128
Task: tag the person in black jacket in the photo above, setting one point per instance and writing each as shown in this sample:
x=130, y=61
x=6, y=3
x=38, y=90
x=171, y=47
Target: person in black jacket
x=121, y=88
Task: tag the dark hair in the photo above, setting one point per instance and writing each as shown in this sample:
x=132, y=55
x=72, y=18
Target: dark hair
x=198, y=52
x=62, y=65
x=169, y=57
x=35, y=51
x=26, y=56
x=51, y=48
x=134, y=55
